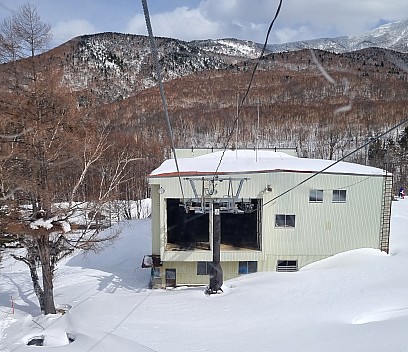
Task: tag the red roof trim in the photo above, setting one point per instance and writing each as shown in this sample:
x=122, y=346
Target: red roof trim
x=207, y=173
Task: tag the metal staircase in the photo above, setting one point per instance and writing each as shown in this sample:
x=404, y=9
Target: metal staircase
x=386, y=214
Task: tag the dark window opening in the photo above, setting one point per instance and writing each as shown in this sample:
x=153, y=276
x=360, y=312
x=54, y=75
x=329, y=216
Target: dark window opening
x=242, y=230
x=339, y=195
x=186, y=230
x=171, y=278
x=316, y=196
x=155, y=279
x=203, y=268
x=247, y=267
x=156, y=273
x=286, y=265
x=283, y=220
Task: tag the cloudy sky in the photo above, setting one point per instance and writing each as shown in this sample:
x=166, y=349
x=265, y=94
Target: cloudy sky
x=203, y=19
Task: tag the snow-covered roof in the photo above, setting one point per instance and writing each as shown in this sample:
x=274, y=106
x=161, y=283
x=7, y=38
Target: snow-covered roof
x=251, y=161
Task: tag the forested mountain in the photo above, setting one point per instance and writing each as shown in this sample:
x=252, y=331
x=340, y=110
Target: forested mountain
x=124, y=62
x=324, y=103
x=204, y=82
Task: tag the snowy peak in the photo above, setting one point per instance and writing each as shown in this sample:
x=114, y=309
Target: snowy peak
x=392, y=36
x=231, y=47
x=388, y=36
x=125, y=59
x=117, y=66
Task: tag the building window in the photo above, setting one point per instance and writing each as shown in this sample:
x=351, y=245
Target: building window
x=316, y=196
x=203, y=268
x=286, y=265
x=339, y=196
x=283, y=220
x=156, y=273
x=247, y=267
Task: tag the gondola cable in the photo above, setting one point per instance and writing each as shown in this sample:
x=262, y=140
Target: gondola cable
x=161, y=89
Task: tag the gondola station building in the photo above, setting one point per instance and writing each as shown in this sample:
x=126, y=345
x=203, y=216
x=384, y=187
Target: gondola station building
x=277, y=212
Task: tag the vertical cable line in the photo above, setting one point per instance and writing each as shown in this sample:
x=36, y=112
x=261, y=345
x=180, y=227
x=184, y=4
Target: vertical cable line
x=249, y=86
x=161, y=88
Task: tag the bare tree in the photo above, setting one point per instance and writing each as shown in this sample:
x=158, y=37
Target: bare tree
x=53, y=152
x=33, y=34
x=9, y=42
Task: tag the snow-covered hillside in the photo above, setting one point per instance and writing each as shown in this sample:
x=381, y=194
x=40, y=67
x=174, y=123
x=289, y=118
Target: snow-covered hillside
x=116, y=66
x=393, y=36
x=124, y=63
x=231, y=47
x=354, y=301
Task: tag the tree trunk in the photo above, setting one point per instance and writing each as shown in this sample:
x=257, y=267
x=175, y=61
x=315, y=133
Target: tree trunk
x=47, y=273
x=36, y=281
x=30, y=260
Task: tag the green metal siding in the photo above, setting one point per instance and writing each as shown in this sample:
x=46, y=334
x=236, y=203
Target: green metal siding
x=321, y=230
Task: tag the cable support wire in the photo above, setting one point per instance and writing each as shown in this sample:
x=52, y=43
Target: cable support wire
x=336, y=162
x=348, y=186
x=161, y=88
x=249, y=85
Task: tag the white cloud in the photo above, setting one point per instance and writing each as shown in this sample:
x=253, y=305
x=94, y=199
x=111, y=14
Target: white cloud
x=182, y=23
x=298, y=19
x=211, y=19
x=66, y=30
x=244, y=19
x=258, y=11
x=290, y=34
x=327, y=18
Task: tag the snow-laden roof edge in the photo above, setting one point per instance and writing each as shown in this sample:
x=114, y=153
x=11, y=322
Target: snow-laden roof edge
x=262, y=161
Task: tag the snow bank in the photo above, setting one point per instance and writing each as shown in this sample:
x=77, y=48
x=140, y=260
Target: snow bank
x=354, y=301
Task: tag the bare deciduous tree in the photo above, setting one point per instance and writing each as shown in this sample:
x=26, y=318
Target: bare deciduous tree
x=53, y=152
x=33, y=34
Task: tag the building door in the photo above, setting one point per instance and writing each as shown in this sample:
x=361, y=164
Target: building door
x=170, y=277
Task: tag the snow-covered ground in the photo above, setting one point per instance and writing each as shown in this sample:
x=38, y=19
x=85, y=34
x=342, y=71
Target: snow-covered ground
x=355, y=301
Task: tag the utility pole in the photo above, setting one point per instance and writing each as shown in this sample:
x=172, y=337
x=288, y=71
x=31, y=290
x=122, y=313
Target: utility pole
x=208, y=202
x=216, y=274
x=257, y=135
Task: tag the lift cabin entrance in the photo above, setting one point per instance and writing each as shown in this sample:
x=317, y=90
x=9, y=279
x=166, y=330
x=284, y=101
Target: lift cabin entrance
x=189, y=228
x=186, y=229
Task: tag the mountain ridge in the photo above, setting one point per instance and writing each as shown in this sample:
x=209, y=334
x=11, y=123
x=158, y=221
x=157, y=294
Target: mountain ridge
x=391, y=36
x=109, y=78
x=125, y=59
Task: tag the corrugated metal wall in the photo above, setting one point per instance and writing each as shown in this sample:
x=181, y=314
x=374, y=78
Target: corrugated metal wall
x=156, y=233
x=186, y=273
x=322, y=228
